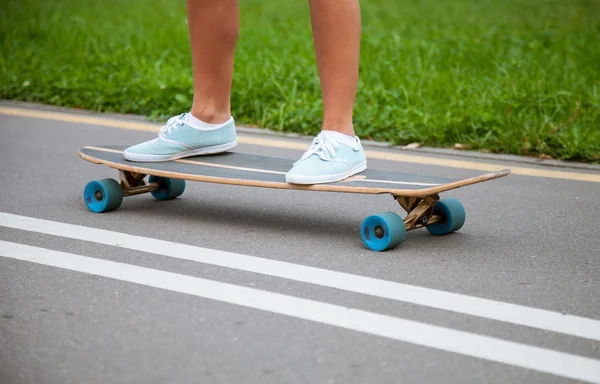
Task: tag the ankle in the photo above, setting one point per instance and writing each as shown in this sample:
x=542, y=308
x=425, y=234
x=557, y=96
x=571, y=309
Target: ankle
x=348, y=131
x=341, y=125
x=211, y=115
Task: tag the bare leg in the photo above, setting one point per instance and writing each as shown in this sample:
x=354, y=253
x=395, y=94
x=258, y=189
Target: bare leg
x=214, y=29
x=332, y=156
x=336, y=30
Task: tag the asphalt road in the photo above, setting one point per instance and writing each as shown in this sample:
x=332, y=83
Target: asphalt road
x=230, y=284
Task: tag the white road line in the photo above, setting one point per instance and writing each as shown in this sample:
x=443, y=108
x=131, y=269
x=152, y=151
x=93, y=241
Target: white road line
x=469, y=305
x=484, y=347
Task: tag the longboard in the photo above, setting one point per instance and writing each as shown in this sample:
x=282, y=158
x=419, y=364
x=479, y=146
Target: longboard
x=417, y=195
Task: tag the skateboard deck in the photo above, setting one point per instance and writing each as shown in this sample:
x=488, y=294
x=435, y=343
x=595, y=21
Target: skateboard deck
x=417, y=195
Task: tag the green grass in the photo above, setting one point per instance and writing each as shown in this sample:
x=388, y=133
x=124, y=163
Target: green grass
x=509, y=76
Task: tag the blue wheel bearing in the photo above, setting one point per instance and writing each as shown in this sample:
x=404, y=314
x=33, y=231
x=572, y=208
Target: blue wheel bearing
x=453, y=217
x=382, y=232
x=103, y=195
x=169, y=188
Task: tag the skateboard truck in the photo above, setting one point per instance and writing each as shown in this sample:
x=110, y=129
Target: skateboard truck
x=388, y=230
x=133, y=184
x=419, y=210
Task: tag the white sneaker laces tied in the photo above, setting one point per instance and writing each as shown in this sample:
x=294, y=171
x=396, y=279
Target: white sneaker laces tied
x=324, y=145
x=172, y=124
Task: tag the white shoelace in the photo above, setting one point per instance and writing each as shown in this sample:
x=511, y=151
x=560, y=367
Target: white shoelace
x=324, y=145
x=172, y=124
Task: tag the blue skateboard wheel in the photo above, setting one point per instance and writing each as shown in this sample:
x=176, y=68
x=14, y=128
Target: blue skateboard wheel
x=384, y=231
x=453, y=217
x=169, y=188
x=103, y=195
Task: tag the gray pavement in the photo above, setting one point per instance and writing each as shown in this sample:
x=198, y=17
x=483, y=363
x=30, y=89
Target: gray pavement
x=531, y=241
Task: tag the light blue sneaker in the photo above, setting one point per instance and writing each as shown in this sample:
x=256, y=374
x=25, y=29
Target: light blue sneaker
x=178, y=139
x=332, y=157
